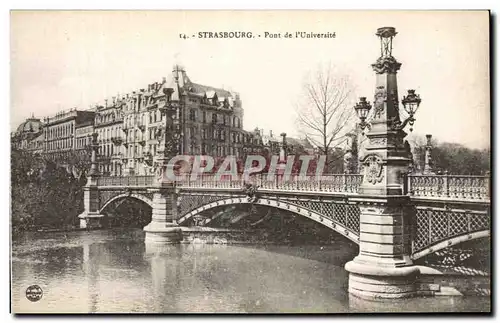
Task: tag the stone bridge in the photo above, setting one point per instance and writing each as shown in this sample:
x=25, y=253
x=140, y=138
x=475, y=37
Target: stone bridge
x=443, y=210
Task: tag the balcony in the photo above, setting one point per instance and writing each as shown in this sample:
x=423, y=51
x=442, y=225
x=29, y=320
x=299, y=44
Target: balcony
x=117, y=156
x=142, y=127
x=103, y=159
x=117, y=140
x=142, y=143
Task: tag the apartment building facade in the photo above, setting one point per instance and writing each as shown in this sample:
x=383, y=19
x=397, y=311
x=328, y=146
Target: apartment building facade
x=209, y=121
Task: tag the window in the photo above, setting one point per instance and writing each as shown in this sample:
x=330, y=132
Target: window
x=204, y=117
x=192, y=115
x=214, y=118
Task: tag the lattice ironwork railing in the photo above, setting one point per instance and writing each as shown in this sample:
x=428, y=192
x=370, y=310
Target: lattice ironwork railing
x=191, y=201
x=339, y=211
x=449, y=186
x=434, y=225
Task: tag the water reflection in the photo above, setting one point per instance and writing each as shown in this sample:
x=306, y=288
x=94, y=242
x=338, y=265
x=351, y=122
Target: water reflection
x=112, y=271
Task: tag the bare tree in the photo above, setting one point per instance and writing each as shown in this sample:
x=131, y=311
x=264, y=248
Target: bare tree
x=325, y=110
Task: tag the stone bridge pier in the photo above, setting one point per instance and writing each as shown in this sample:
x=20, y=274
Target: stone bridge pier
x=91, y=217
x=383, y=268
x=163, y=227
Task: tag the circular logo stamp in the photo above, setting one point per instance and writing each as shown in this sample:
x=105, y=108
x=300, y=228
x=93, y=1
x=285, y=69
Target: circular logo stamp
x=34, y=293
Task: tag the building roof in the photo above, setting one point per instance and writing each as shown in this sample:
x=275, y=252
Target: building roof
x=31, y=125
x=198, y=88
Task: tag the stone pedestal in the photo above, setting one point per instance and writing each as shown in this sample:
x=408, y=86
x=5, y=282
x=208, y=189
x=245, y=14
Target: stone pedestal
x=91, y=218
x=383, y=268
x=163, y=227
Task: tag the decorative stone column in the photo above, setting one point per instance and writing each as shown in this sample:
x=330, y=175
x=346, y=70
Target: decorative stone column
x=428, y=164
x=351, y=154
x=163, y=227
x=91, y=218
x=383, y=268
x=282, y=158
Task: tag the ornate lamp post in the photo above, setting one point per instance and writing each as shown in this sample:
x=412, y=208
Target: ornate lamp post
x=169, y=138
x=283, y=150
x=383, y=268
x=94, y=171
x=91, y=217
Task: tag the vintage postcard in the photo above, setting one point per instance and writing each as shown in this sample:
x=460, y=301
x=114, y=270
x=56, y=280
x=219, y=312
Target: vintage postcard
x=315, y=161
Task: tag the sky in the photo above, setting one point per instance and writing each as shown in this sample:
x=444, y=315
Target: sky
x=68, y=59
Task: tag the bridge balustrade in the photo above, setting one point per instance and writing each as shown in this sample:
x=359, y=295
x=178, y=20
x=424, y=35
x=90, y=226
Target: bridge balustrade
x=446, y=209
x=126, y=181
x=460, y=187
x=449, y=187
x=327, y=183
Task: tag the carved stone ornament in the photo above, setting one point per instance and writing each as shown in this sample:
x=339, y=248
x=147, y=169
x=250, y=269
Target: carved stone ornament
x=378, y=141
x=373, y=169
x=386, y=64
x=159, y=173
x=250, y=191
x=379, y=100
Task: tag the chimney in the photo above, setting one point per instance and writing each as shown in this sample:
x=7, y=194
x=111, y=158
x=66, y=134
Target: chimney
x=164, y=79
x=270, y=133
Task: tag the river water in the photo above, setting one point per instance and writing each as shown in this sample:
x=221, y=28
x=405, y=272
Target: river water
x=112, y=271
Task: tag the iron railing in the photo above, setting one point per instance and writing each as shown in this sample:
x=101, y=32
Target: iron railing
x=127, y=181
x=459, y=187
x=326, y=183
x=449, y=186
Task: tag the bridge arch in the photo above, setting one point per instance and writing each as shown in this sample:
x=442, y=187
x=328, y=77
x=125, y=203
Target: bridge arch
x=449, y=243
x=127, y=195
x=282, y=205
